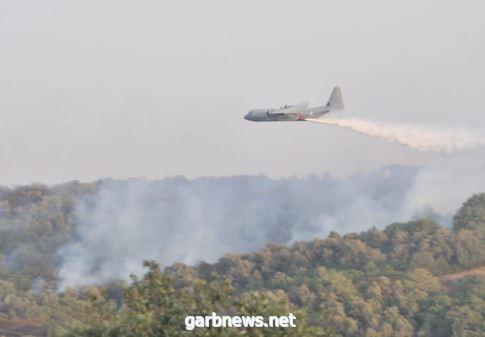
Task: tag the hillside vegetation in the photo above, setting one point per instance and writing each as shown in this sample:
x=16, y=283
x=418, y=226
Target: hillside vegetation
x=372, y=284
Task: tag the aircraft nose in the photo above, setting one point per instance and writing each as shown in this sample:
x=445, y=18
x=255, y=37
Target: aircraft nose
x=246, y=116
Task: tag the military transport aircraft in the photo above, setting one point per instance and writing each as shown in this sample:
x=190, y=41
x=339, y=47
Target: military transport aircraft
x=298, y=112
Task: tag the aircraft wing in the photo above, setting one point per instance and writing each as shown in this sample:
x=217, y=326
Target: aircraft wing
x=289, y=110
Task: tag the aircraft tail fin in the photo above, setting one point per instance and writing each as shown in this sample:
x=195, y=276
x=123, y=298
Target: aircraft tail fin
x=335, y=101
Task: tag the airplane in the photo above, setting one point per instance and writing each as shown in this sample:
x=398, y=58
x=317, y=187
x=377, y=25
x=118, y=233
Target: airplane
x=298, y=112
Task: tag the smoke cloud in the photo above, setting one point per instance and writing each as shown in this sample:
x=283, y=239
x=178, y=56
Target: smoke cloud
x=183, y=220
x=422, y=138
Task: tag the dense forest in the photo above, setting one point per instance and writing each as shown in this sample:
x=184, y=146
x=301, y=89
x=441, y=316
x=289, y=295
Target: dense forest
x=380, y=282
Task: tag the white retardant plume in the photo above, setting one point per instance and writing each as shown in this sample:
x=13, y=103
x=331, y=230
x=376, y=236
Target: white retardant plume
x=422, y=138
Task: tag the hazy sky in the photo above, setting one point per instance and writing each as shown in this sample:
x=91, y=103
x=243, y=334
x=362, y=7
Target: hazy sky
x=90, y=89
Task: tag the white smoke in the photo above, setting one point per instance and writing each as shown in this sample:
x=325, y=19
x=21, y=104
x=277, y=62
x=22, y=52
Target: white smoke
x=184, y=220
x=419, y=137
x=447, y=183
x=177, y=219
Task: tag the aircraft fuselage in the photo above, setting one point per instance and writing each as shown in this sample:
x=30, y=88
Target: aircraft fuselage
x=289, y=114
x=299, y=112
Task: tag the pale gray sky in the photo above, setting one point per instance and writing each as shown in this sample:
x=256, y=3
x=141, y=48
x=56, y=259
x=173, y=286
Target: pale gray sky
x=91, y=89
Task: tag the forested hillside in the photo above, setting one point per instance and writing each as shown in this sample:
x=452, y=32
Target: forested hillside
x=374, y=283
x=35, y=221
x=77, y=234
